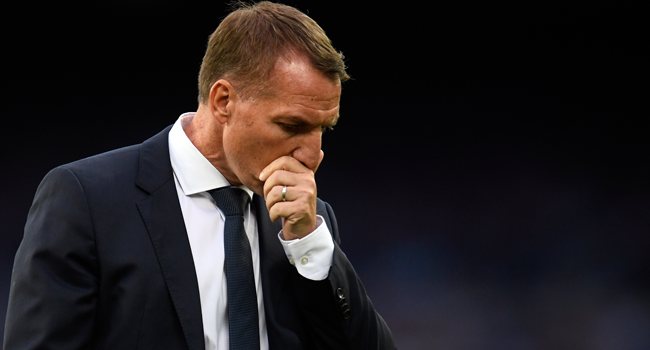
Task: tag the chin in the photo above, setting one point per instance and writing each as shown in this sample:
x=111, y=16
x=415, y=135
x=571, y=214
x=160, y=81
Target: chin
x=256, y=186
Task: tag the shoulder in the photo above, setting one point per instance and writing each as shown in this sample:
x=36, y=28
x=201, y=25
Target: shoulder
x=105, y=167
x=122, y=164
x=115, y=173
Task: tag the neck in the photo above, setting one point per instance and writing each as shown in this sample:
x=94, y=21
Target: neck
x=206, y=133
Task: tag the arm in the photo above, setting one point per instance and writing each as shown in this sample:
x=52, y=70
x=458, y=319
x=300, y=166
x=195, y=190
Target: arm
x=54, y=284
x=338, y=308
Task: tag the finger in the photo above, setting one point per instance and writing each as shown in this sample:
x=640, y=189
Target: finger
x=293, y=210
x=283, y=163
x=281, y=178
x=286, y=178
x=297, y=218
x=303, y=190
x=280, y=210
x=275, y=195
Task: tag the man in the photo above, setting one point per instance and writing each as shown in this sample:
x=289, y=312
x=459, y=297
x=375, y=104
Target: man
x=138, y=248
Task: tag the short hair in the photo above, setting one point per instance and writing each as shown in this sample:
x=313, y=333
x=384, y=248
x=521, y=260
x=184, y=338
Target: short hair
x=248, y=42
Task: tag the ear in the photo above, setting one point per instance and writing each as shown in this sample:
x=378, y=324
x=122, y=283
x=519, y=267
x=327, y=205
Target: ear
x=222, y=99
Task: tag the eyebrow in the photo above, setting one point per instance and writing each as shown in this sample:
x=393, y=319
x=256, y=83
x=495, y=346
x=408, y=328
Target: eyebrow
x=301, y=121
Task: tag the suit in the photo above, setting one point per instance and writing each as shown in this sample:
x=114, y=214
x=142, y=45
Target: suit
x=105, y=263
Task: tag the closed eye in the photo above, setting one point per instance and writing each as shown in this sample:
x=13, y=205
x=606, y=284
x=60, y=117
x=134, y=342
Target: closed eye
x=290, y=127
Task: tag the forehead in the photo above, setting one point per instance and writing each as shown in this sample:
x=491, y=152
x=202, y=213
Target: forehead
x=294, y=78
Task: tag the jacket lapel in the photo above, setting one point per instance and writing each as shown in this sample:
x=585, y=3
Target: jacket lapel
x=163, y=218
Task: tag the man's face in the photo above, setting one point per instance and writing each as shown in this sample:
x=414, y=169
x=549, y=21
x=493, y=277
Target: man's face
x=288, y=121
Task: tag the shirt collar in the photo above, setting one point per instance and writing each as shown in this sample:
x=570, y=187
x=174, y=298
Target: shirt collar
x=194, y=172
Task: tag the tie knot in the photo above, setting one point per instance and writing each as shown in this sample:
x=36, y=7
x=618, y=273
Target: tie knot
x=231, y=200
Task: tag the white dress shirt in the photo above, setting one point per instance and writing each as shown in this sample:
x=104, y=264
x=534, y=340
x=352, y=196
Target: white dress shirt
x=193, y=176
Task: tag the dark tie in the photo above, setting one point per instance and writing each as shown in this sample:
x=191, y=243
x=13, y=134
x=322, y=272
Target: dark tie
x=242, y=298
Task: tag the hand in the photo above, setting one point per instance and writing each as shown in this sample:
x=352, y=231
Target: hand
x=298, y=211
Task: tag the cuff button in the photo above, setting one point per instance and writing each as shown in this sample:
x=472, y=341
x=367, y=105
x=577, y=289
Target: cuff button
x=291, y=261
x=304, y=260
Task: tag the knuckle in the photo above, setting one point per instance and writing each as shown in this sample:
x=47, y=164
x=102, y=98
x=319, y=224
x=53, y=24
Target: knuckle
x=310, y=191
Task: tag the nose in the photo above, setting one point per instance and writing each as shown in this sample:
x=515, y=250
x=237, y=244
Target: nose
x=308, y=150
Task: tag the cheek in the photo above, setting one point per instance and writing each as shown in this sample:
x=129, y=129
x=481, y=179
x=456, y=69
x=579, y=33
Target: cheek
x=265, y=143
x=250, y=153
x=262, y=153
x=252, y=147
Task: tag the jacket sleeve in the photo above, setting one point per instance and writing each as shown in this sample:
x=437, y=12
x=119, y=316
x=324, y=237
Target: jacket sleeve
x=339, y=310
x=54, y=285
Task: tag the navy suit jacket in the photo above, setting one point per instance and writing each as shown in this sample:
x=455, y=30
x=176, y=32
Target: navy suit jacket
x=105, y=263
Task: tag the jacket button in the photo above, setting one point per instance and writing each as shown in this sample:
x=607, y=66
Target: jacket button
x=346, y=314
x=339, y=292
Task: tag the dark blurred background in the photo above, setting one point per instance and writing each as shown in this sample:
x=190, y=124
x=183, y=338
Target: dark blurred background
x=489, y=172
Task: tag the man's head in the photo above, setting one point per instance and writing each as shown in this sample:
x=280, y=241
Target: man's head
x=248, y=42
x=269, y=84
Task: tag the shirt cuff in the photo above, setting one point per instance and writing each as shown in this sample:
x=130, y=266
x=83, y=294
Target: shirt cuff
x=311, y=255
